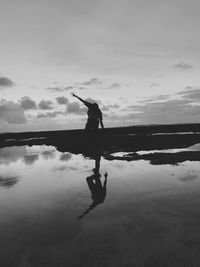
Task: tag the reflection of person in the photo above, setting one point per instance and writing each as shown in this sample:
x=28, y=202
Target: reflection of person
x=94, y=115
x=98, y=191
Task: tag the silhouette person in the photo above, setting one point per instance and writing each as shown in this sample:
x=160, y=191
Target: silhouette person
x=98, y=191
x=94, y=115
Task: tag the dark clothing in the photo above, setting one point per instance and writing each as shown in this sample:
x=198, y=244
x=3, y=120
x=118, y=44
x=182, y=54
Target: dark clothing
x=92, y=124
x=93, y=111
x=94, y=116
x=97, y=189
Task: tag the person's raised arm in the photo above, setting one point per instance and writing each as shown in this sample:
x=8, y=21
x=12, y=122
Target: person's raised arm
x=84, y=102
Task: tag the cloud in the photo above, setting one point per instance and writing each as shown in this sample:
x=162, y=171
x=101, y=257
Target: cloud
x=114, y=85
x=93, y=81
x=115, y=106
x=183, y=66
x=49, y=114
x=45, y=104
x=6, y=82
x=69, y=88
x=75, y=108
x=162, y=110
x=191, y=93
x=60, y=89
x=96, y=81
x=92, y=100
x=55, y=89
x=62, y=100
x=126, y=117
x=171, y=111
x=27, y=103
x=12, y=112
x=110, y=106
x=155, y=98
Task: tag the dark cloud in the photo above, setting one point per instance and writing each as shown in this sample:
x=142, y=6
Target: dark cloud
x=171, y=111
x=69, y=88
x=8, y=181
x=12, y=112
x=62, y=100
x=30, y=159
x=183, y=66
x=65, y=157
x=75, y=108
x=45, y=104
x=6, y=82
x=27, y=103
x=191, y=93
x=162, y=110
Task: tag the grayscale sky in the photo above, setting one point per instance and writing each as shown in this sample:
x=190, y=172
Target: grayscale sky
x=138, y=58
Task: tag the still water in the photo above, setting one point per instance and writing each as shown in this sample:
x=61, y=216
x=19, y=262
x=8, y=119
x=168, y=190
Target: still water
x=56, y=209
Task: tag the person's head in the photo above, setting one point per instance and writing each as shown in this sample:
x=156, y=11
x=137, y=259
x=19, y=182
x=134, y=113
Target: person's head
x=95, y=105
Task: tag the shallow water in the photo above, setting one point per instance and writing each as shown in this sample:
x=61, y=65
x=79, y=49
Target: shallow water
x=148, y=215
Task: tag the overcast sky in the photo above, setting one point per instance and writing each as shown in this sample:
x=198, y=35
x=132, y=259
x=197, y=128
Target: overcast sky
x=138, y=58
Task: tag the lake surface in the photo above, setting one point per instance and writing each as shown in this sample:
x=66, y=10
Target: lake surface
x=62, y=209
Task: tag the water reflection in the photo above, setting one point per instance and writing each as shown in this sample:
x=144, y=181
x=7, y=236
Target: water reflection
x=65, y=156
x=158, y=207
x=8, y=181
x=49, y=154
x=11, y=154
x=98, y=191
x=30, y=159
x=28, y=154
